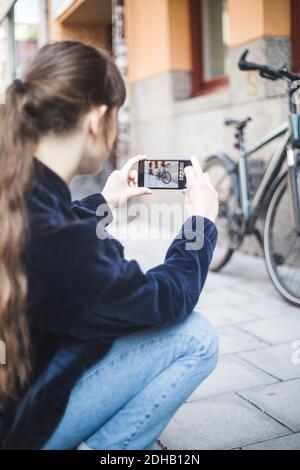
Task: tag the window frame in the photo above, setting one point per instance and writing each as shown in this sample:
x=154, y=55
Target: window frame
x=295, y=35
x=201, y=86
x=42, y=34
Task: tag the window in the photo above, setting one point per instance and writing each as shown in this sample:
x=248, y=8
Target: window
x=22, y=31
x=295, y=12
x=4, y=58
x=27, y=18
x=209, y=21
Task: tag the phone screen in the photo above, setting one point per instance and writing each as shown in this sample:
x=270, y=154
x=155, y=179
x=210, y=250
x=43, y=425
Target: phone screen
x=164, y=174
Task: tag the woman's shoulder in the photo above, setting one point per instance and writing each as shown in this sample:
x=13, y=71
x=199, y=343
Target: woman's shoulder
x=55, y=229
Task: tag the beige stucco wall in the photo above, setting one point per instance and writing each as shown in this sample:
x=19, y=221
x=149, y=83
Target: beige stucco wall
x=86, y=33
x=252, y=19
x=241, y=30
x=180, y=35
x=158, y=37
x=147, y=31
x=277, y=18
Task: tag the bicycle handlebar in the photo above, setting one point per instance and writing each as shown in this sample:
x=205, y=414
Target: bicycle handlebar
x=265, y=71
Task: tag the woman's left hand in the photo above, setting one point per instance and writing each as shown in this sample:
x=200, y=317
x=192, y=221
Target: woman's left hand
x=122, y=184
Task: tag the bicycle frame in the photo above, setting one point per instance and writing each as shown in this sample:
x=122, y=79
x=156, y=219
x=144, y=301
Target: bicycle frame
x=290, y=132
x=251, y=210
x=292, y=159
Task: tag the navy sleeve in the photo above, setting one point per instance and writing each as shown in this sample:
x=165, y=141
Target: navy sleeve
x=165, y=294
x=89, y=205
x=91, y=291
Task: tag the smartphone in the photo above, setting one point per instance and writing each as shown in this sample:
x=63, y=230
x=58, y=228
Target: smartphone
x=162, y=174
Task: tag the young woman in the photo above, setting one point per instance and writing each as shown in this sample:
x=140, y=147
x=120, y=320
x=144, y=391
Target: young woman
x=99, y=354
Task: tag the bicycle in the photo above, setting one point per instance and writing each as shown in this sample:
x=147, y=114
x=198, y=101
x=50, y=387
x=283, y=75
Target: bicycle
x=276, y=199
x=164, y=176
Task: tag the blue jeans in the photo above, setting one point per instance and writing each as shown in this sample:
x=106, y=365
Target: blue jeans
x=130, y=395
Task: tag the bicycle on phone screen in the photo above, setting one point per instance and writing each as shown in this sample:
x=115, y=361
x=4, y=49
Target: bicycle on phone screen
x=164, y=176
x=275, y=199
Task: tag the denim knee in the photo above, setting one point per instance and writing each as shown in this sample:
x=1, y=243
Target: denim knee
x=206, y=341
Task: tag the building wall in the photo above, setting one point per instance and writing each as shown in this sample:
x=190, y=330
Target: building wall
x=84, y=31
x=163, y=124
x=180, y=37
x=165, y=120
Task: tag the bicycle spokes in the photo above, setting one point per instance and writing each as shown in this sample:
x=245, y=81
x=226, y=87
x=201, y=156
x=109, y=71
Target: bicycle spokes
x=285, y=242
x=294, y=189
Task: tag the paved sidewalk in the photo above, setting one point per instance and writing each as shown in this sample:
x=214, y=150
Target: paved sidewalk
x=252, y=399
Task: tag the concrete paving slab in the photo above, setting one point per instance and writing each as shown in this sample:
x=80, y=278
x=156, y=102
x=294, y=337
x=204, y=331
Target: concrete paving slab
x=156, y=447
x=233, y=340
x=220, y=314
x=250, y=269
x=268, y=306
x=275, y=360
x=231, y=374
x=226, y=308
x=276, y=330
x=290, y=442
x=279, y=400
x=221, y=423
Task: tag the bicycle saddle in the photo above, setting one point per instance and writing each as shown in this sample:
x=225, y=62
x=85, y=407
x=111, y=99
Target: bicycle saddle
x=238, y=123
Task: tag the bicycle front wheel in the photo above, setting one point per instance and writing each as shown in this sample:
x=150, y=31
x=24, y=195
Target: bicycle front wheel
x=282, y=244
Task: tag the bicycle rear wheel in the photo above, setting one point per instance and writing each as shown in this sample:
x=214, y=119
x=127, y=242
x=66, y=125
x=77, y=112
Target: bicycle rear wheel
x=282, y=244
x=222, y=181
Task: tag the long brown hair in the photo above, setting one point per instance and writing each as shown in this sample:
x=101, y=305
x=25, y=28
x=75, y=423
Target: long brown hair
x=64, y=80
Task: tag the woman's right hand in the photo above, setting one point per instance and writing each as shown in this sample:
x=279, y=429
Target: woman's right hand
x=201, y=198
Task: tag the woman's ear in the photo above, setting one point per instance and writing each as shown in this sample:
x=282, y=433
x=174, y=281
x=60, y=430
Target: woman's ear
x=94, y=119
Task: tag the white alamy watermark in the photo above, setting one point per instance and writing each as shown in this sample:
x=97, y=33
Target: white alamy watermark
x=296, y=353
x=2, y=352
x=160, y=220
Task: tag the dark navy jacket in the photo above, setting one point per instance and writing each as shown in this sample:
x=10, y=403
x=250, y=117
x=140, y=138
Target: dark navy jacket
x=83, y=294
